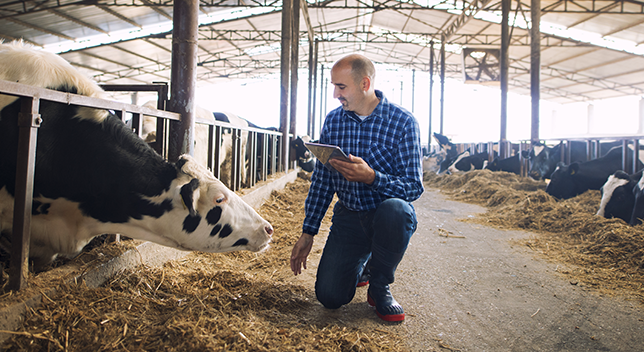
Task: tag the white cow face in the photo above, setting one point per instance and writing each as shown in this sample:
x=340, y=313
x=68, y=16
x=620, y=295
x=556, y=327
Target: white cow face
x=209, y=217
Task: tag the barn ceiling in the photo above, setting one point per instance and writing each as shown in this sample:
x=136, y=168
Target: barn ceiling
x=590, y=49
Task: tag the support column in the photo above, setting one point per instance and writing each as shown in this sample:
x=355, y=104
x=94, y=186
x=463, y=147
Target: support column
x=284, y=79
x=295, y=57
x=590, y=118
x=442, y=82
x=413, y=88
x=505, y=43
x=183, y=77
x=315, y=88
x=535, y=68
x=431, y=95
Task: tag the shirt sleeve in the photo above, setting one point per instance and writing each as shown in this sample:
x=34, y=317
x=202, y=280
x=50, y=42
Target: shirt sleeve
x=409, y=184
x=319, y=197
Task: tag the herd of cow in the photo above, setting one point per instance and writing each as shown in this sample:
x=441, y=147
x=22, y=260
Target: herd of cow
x=622, y=194
x=94, y=176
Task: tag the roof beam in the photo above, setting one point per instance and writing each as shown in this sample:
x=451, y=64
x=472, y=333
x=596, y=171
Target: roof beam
x=77, y=21
x=40, y=29
x=467, y=14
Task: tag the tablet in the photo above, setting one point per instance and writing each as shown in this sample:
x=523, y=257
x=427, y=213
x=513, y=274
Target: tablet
x=325, y=152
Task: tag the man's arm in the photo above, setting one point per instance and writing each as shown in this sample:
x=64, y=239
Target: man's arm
x=300, y=252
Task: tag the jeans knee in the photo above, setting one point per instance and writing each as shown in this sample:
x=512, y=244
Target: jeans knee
x=329, y=300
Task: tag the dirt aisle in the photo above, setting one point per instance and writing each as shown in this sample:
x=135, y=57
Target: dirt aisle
x=482, y=292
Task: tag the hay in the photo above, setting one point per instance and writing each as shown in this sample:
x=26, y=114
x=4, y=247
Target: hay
x=204, y=302
x=606, y=254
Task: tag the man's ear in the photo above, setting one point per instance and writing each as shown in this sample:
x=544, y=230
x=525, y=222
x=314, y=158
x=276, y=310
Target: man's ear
x=366, y=83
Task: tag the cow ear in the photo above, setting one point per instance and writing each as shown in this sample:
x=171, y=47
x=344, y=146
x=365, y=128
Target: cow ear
x=525, y=154
x=574, y=168
x=187, y=195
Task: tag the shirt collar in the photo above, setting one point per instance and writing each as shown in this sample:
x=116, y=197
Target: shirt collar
x=379, y=111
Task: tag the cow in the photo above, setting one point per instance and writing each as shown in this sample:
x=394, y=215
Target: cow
x=511, y=164
x=450, y=152
x=148, y=133
x=467, y=162
x=94, y=176
x=571, y=180
x=637, y=215
x=618, y=198
x=544, y=159
x=305, y=159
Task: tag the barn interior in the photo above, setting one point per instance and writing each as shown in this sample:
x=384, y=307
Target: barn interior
x=563, y=51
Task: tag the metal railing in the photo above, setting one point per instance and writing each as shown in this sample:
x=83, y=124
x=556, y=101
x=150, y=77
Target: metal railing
x=29, y=121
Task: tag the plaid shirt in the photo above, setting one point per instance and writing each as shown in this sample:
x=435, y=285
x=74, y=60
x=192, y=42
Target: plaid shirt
x=388, y=140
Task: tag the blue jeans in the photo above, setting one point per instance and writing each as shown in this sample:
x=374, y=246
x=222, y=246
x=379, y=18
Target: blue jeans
x=354, y=236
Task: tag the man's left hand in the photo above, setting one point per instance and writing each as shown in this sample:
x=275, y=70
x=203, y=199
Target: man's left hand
x=357, y=170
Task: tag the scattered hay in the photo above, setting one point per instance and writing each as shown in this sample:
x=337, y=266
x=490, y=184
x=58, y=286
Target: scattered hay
x=606, y=254
x=204, y=302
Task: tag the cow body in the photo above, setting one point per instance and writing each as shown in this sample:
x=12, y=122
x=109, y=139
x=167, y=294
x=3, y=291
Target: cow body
x=511, y=164
x=618, y=196
x=148, y=133
x=568, y=181
x=467, y=162
x=94, y=176
x=544, y=159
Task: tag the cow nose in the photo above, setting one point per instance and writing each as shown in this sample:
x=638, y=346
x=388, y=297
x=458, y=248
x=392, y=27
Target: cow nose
x=269, y=229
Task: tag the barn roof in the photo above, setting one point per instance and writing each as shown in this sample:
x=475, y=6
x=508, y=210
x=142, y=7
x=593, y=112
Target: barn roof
x=590, y=49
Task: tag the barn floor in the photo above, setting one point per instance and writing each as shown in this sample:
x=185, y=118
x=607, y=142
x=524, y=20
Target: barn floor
x=464, y=286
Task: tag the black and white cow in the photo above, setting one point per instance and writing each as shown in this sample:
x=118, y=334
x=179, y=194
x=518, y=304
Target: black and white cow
x=305, y=159
x=94, y=176
x=618, y=196
x=450, y=152
x=511, y=164
x=637, y=214
x=544, y=159
x=466, y=162
x=568, y=181
x=148, y=133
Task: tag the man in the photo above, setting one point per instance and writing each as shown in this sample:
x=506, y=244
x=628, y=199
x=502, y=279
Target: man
x=373, y=217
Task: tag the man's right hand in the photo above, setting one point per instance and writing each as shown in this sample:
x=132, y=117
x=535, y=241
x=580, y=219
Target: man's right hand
x=300, y=252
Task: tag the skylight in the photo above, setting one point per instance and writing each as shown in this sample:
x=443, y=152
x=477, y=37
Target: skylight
x=158, y=28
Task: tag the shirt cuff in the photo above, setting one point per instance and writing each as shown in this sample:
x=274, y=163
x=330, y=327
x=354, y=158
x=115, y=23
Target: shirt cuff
x=310, y=230
x=379, y=180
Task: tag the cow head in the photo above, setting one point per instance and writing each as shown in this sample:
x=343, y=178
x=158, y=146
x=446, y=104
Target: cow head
x=305, y=158
x=208, y=217
x=562, y=182
x=617, y=197
x=494, y=165
x=543, y=161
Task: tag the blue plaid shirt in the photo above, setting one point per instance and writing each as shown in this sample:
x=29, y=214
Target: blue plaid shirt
x=388, y=140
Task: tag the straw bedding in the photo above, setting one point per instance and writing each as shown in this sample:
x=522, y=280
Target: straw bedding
x=604, y=254
x=204, y=302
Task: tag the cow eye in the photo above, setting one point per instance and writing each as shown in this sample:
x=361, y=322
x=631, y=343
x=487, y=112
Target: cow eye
x=220, y=200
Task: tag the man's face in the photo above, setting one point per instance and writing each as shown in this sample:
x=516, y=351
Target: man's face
x=346, y=90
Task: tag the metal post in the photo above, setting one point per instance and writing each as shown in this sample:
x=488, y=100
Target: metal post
x=284, y=78
x=183, y=77
x=309, y=110
x=505, y=43
x=28, y=123
x=315, y=89
x=535, y=67
x=295, y=56
x=442, y=82
x=413, y=88
x=431, y=95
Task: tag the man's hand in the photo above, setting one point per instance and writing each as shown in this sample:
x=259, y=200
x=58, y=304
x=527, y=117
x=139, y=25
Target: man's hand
x=300, y=252
x=355, y=171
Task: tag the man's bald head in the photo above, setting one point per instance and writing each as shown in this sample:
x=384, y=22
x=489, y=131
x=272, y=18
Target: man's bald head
x=360, y=65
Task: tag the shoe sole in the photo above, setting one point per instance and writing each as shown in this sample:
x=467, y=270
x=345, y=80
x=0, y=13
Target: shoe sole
x=390, y=317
